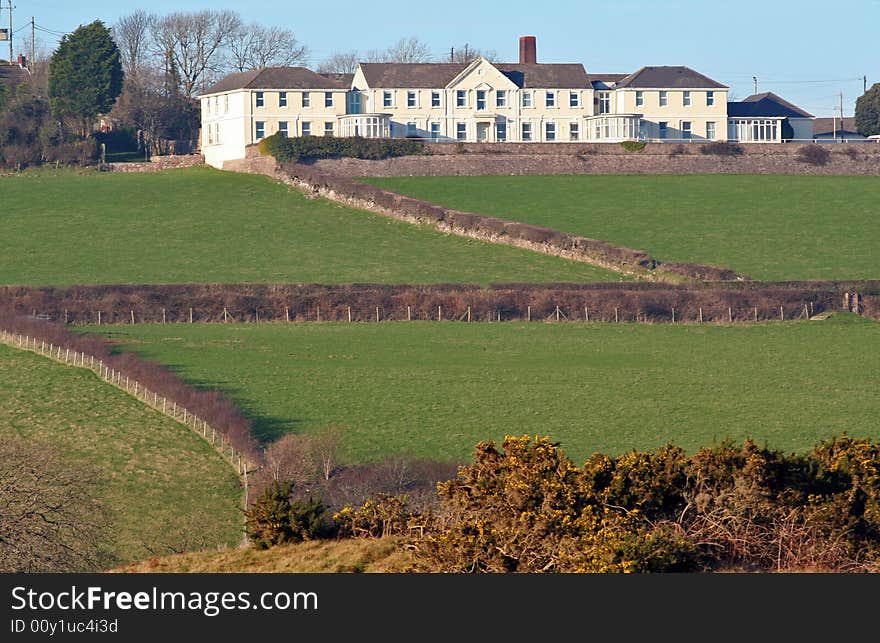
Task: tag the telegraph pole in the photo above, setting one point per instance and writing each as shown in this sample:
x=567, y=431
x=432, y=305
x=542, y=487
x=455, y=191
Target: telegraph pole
x=865, y=84
x=33, y=42
x=11, y=54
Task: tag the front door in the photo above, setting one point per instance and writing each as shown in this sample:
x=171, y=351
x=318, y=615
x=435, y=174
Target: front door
x=482, y=132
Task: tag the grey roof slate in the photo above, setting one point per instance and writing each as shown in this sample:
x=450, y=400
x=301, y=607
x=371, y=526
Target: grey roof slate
x=827, y=126
x=669, y=78
x=13, y=75
x=278, y=78
x=438, y=75
x=766, y=104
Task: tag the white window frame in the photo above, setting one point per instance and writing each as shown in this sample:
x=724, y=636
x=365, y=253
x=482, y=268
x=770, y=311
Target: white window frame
x=260, y=99
x=259, y=130
x=499, y=128
x=461, y=98
x=687, y=130
x=284, y=131
x=664, y=98
x=574, y=100
x=550, y=98
x=306, y=99
x=306, y=128
x=226, y=103
x=710, y=99
x=711, y=130
x=435, y=130
x=482, y=103
x=411, y=129
x=217, y=133
x=640, y=98
x=328, y=131
x=412, y=99
x=282, y=99
x=501, y=98
x=526, y=133
x=686, y=98
x=387, y=98
x=328, y=99
x=663, y=129
x=574, y=131
x=527, y=99
x=549, y=130
x=460, y=131
x=435, y=99
x=604, y=102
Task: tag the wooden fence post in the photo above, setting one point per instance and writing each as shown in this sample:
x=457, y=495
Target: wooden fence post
x=99, y=318
x=529, y=314
x=616, y=316
x=756, y=314
x=349, y=314
x=190, y=315
x=286, y=314
x=408, y=313
x=225, y=315
x=469, y=313
x=439, y=313
x=318, y=312
x=163, y=315
x=781, y=313
x=557, y=313
x=586, y=314
x=377, y=314
x=701, y=314
x=730, y=314
x=673, y=314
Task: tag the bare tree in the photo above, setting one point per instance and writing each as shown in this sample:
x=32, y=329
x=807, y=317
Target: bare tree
x=195, y=42
x=326, y=447
x=405, y=50
x=466, y=54
x=254, y=46
x=290, y=459
x=133, y=35
x=49, y=521
x=342, y=62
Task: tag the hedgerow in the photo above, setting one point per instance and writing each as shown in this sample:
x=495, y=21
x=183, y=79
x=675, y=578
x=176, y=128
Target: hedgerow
x=305, y=149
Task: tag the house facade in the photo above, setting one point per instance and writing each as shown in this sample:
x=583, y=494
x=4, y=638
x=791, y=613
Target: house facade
x=482, y=101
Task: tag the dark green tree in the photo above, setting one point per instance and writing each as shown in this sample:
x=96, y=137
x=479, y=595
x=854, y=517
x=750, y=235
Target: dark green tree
x=274, y=519
x=85, y=76
x=868, y=112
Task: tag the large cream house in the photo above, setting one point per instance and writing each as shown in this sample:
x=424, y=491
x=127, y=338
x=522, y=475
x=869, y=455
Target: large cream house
x=478, y=102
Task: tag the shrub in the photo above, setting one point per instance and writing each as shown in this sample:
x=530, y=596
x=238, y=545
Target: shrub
x=459, y=148
x=306, y=149
x=813, y=154
x=722, y=148
x=678, y=150
x=632, y=146
x=274, y=519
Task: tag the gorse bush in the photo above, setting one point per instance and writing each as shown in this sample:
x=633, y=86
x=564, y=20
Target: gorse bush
x=305, y=149
x=276, y=519
x=527, y=508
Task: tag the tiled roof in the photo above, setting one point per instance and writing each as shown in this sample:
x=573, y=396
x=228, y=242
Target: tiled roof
x=669, y=78
x=827, y=126
x=551, y=75
x=410, y=75
x=767, y=104
x=12, y=75
x=438, y=75
x=278, y=78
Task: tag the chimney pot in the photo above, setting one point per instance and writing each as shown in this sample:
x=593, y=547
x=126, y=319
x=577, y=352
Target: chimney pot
x=528, y=50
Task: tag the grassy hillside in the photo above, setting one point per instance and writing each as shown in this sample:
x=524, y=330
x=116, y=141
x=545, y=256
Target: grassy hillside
x=332, y=556
x=435, y=389
x=165, y=489
x=200, y=225
x=769, y=227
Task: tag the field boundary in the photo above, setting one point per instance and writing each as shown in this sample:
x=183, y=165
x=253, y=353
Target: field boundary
x=362, y=196
x=610, y=302
x=159, y=403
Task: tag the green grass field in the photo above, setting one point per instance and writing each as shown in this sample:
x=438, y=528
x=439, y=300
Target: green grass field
x=162, y=486
x=768, y=227
x=436, y=389
x=200, y=225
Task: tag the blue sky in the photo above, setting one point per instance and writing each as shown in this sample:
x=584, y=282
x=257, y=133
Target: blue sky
x=806, y=51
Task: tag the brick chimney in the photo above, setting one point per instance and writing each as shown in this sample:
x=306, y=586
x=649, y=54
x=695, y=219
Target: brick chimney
x=22, y=61
x=528, y=50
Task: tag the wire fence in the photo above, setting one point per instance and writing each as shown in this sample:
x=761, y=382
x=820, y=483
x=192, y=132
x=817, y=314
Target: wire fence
x=134, y=388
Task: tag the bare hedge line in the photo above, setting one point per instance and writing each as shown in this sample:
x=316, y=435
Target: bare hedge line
x=496, y=230
x=642, y=301
x=212, y=406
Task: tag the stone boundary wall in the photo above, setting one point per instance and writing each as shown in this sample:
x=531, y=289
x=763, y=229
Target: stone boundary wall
x=158, y=163
x=574, y=162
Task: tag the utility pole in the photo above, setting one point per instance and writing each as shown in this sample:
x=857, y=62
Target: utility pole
x=11, y=54
x=865, y=84
x=33, y=42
